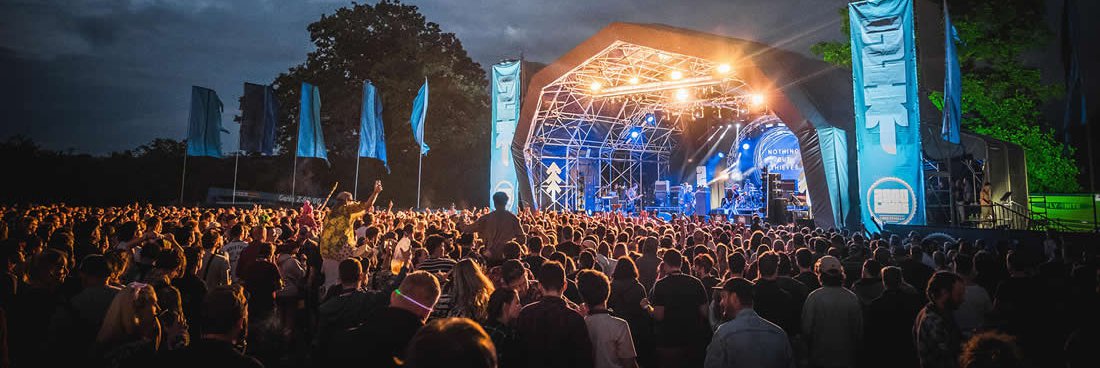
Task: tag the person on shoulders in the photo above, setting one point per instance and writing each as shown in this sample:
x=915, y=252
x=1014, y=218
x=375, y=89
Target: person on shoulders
x=747, y=340
x=338, y=234
x=497, y=228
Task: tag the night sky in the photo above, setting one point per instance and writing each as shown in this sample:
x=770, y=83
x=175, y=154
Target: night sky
x=97, y=76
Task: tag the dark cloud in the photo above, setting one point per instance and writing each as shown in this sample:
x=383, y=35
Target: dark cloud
x=103, y=75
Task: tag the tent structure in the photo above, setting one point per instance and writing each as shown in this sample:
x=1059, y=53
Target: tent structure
x=629, y=95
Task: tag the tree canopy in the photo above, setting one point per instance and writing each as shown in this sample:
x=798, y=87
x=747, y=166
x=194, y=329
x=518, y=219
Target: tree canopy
x=1002, y=95
x=395, y=47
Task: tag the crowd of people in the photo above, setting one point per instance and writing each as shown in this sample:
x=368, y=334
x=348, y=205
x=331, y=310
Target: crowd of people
x=154, y=286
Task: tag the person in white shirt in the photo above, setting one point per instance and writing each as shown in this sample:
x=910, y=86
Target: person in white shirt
x=236, y=245
x=610, y=335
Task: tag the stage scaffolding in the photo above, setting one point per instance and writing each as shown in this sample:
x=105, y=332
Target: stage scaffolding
x=624, y=110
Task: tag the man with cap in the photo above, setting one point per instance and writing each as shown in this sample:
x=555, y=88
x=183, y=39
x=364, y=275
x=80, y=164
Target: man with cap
x=746, y=340
x=338, y=235
x=832, y=319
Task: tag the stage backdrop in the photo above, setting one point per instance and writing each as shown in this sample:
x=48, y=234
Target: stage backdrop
x=506, y=88
x=884, y=72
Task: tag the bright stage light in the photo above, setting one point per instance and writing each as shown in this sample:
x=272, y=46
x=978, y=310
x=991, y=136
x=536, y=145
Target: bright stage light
x=596, y=86
x=724, y=68
x=738, y=125
x=756, y=99
x=721, y=155
x=634, y=80
x=676, y=75
x=650, y=119
x=745, y=146
x=634, y=135
x=682, y=95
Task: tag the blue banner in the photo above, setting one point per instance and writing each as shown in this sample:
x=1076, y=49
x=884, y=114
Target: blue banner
x=204, y=126
x=372, y=136
x=271, y=113
x=888, y=146
x=311, y=139
x=258, y=111
x=505, y=95
x=952, y=82
x=419, y=112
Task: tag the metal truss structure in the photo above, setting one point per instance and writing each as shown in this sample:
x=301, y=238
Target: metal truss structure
x=625, y=108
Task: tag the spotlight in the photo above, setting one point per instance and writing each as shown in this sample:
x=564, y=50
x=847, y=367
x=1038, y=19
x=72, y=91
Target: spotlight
x=596, y=86
x=738, y=125
x=634, y=80
x=728, y=126
x=721, y=155
x=676, y=75
x=745, y=146
x=756, y=99
x=650, y=119
x=724, y=68
x=681, y=95
x=634, y=135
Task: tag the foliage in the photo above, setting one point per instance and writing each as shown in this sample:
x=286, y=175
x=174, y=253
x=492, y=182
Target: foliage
x=1001, y=95
x=837, y=53
x=395, y=47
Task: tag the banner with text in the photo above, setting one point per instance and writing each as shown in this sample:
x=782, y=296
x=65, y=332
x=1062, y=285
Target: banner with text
x=505, y=94
x=888, y=146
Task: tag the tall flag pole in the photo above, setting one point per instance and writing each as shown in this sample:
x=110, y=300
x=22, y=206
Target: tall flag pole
x=952, y=82
x=419, y=112
x=311, y=139
x=204, y=128
x=372, y=136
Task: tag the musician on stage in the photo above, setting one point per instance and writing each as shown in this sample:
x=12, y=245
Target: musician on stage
x=687, y=200
x=729, y=201
x=632, y=196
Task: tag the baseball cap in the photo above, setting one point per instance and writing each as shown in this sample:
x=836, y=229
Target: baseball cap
x=828, y=264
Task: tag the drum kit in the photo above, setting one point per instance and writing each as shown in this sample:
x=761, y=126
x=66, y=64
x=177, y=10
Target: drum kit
x=749, y=199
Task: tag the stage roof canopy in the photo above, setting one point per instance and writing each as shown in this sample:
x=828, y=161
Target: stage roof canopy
x=612, y=82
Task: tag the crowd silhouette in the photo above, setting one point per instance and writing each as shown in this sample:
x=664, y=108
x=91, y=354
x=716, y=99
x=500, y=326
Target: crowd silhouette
x=149, y=286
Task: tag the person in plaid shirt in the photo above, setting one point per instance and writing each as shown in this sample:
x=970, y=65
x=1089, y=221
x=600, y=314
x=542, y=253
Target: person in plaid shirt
x=938, y=339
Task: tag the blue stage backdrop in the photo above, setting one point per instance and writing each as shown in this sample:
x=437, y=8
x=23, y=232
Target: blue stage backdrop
x=772, y=146
x=506, y=88
x=888, y=146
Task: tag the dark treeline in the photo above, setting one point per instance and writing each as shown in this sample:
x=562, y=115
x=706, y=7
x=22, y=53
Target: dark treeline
x=152, y=173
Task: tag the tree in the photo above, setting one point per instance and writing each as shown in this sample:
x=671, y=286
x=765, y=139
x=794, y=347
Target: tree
x=162, y=148
x=395, y=47
x=1002, y=96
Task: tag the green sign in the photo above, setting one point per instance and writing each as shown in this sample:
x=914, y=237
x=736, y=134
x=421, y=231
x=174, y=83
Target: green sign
x=1079, y=212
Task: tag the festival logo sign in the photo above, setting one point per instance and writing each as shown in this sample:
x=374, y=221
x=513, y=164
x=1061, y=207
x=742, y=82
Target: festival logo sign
x=505, y=101
x=884, y=72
